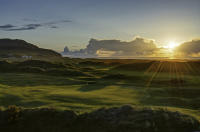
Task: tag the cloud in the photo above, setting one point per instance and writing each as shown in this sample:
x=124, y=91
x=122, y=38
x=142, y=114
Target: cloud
x=139, y=47
x=29, y=20
x=32, y=26
x=55, y=22
x=7, y=26
x=189, y=49
x=25, y=27
x=65, y=21
x=54, y=26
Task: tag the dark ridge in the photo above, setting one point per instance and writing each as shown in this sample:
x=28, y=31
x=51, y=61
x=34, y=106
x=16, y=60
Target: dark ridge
x=18, y=48
x=122, y=119
x=39, y=67
x=39, y=63
x=9, y=44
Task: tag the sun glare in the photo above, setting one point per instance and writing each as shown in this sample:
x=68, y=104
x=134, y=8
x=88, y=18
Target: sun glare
x=171, y=45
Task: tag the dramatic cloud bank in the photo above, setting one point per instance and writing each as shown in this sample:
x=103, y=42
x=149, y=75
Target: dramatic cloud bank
x=139, y=47
x=189, y=49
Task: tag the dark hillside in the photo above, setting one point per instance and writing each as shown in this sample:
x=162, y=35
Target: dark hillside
x=122, y=119
x=20, y=49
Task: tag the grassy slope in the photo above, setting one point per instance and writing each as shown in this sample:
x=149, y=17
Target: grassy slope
x=83, y=93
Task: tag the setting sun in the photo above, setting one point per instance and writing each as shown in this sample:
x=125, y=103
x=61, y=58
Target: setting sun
x=171, y=45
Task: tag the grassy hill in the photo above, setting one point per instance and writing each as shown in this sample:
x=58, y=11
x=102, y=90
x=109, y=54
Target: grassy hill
x=84, y=85
x=14, y=49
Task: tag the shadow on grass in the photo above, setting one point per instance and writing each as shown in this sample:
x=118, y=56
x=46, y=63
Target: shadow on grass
x=92, y=87
x=183, y=98
x=28, y=79
x=79, y=100
x=9, y=99
x=111, y=79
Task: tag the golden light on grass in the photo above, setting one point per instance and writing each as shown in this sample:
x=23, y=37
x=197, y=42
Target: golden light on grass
x=176, y=71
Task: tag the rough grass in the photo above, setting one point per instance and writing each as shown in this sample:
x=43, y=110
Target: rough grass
x=79, y=94
x=115, y=119
x=93, y=85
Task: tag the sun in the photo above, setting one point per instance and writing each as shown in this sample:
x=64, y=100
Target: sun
x=171, y=45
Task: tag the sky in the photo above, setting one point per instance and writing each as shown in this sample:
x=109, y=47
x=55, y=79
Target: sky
x=55, y=24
